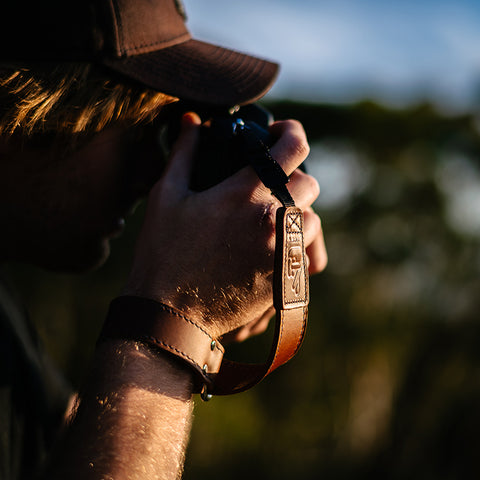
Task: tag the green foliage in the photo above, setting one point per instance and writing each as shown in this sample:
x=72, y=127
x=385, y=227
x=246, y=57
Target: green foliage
x=386, y=384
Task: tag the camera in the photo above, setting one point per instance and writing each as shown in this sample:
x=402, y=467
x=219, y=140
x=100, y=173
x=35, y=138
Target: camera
x=221, y=151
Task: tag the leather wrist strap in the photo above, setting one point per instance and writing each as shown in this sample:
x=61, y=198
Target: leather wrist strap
x=151, y=322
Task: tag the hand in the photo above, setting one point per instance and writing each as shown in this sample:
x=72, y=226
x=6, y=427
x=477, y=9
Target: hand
x=210, y=254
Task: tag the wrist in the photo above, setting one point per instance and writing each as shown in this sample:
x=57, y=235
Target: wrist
x=130, y=364
x=164, y=328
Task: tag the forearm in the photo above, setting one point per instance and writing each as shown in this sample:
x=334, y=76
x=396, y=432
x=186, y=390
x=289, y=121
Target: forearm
x=133, y=419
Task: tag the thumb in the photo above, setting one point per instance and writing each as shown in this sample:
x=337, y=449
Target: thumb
x=181, y=157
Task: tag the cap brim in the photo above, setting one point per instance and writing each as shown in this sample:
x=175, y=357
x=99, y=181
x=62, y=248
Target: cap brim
x=201, y=72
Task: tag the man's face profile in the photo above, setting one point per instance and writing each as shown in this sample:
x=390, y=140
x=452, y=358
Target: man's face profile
x=64, y=209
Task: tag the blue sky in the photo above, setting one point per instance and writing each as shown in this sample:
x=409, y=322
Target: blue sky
x=343, y=50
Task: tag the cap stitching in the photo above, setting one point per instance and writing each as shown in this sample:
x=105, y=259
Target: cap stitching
x=164, y=43
x=118, y=27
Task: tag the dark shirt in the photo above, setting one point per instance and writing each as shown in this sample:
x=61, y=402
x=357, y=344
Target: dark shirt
x=33, y=397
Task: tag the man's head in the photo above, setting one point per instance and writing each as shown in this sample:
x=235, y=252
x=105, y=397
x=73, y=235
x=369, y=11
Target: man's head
x=71, y=161
x=87, y=73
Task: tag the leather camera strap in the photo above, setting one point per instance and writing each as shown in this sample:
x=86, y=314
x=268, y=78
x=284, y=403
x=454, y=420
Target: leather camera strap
x=137, y=318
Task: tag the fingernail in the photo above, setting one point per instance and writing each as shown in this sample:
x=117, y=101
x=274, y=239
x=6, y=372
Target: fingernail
x=190, y=118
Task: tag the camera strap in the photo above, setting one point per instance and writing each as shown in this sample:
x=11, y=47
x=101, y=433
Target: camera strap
x=136, y=318
x=290, y=275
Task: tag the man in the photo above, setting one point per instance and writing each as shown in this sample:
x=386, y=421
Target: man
x=76, y=91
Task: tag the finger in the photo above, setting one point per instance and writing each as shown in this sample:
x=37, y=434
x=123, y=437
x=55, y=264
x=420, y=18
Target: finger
x=291, y=148
x=262, y=324
x=315, y=243
x=303, y=188
x=312, y=226
x=183, y=152
x=252, y=328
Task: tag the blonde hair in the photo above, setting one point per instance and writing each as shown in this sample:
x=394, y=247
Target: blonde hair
x=70, y=98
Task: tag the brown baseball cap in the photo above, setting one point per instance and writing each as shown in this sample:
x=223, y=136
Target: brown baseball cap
x=144, y=40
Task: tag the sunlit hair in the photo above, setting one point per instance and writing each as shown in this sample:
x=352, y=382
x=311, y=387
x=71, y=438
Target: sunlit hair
x=70, y=98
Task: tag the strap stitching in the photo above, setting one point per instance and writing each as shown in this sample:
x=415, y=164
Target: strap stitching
x=302, y=333
x=168, y=309
x=171, y=347
x=278, y=343
x=293, y=221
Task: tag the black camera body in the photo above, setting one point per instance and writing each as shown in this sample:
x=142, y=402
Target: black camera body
x=222, y=150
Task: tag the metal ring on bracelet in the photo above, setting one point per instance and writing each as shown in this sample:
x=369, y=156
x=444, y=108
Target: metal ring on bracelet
x=204, y=395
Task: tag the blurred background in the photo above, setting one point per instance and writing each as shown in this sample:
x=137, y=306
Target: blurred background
x=387, y=382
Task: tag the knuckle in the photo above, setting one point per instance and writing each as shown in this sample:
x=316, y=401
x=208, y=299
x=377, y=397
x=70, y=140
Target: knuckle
x=313, y=224
x=317, y=223
x=295, y=124
x=265, y=230
x=267, y=222
x=322, y=262
x=312, y=185
x=298, y=145
x=304, y=188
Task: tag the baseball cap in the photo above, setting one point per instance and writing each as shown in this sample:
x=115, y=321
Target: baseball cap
x=144, y=40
